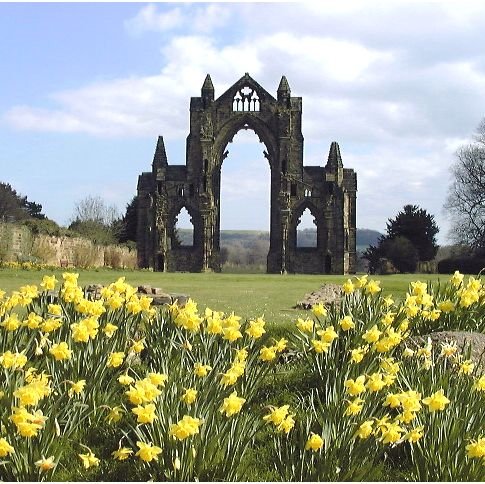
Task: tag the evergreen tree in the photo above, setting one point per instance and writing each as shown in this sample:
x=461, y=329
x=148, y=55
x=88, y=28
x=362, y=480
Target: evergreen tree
x=128, y=223
x=419, y=227
x=411, y=237
x=14, y=207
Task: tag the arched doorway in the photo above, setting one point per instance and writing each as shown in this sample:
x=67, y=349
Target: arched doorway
x=243, y=123
x=243, y=189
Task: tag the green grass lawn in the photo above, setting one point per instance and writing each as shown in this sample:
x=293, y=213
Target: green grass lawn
x=248, y=295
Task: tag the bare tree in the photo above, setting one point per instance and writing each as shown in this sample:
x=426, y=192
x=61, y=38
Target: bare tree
x=96, y=220
x=95, y=209
x=466, y=197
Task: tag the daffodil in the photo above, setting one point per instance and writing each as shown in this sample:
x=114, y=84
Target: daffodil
x=392, y=400
x=122, y=453
x=448, y=349
x=357, y=354
x=89, y=460
x=347, y=323
x=314, y=442
x=476, y=448
x=354, y=407
x=114, y=415
x=365, y=429
x=305, y=325
x=185, y=428
x=355, y=387
x=327, y=334
x=372, y=287
x=267, y=353
x=201, y=370
x=125, y=379
x=77, y=387
x=466, y=367
x=372, y=335
x=479, y=384
x=147, y=452
x=115, y=359
x=189, y=396
x=415, y=434
x=446, y=306
x=232, y=404
x=277, y=414
x=392, y=433
x=437, y=401
x=348, y=287
x=256, y=328
x=320, y=346
x=456, y=278
x=319, y=310
x=48, y=282
x=5, y=447
x=145, y=414
x=44, y=464
x=61, y=351
x=158, y=379
x=138, y=346
x=109, y=329
x=375, y=382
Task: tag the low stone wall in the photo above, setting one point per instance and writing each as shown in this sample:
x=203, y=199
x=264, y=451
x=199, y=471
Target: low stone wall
x=18, y=243
x=14, y=239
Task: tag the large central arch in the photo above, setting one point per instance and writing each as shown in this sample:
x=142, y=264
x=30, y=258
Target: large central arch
x=330, y=190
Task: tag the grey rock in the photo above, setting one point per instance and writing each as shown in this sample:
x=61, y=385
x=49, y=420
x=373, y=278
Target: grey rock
x=327, y=294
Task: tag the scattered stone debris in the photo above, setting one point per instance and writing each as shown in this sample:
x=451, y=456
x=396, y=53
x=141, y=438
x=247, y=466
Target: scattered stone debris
x=327, y=294
x=463, y=340
x=158, y=295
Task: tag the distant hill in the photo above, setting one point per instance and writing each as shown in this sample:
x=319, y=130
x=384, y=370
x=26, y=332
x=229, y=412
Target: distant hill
x=366, y=237
x=247, y=238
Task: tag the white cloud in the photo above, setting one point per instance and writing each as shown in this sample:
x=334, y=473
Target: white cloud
x=400, y=85
x=197, y=19
x=150, y=19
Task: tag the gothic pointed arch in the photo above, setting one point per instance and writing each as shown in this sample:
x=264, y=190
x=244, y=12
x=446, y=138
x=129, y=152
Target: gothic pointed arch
x=329, y=191
x=245, y=121
x=319, y=221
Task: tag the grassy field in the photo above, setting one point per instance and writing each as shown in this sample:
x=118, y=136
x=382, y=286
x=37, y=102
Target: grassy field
x=248, y=295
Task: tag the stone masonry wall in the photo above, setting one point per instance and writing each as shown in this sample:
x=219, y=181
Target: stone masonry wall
x=18, y=243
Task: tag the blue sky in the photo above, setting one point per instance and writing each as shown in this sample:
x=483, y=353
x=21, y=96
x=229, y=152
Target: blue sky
x=87, y=88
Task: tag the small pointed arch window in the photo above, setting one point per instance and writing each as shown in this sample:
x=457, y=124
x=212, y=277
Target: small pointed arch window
x=183, y=230
x=306, y=230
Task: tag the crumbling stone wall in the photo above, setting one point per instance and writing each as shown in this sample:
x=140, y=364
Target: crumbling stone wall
x=329, y=191
x=14, y=240
x=19, y=243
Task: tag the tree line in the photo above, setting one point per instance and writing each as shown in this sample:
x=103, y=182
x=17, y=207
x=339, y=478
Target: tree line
x=410, y=237
x=92, y=218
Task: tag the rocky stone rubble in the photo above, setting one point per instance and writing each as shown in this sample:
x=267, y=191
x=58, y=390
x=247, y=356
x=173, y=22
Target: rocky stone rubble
x=326, y=294
x=158, y=295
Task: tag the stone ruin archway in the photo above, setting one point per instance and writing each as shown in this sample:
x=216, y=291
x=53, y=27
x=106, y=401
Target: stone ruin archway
x=328, y=191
